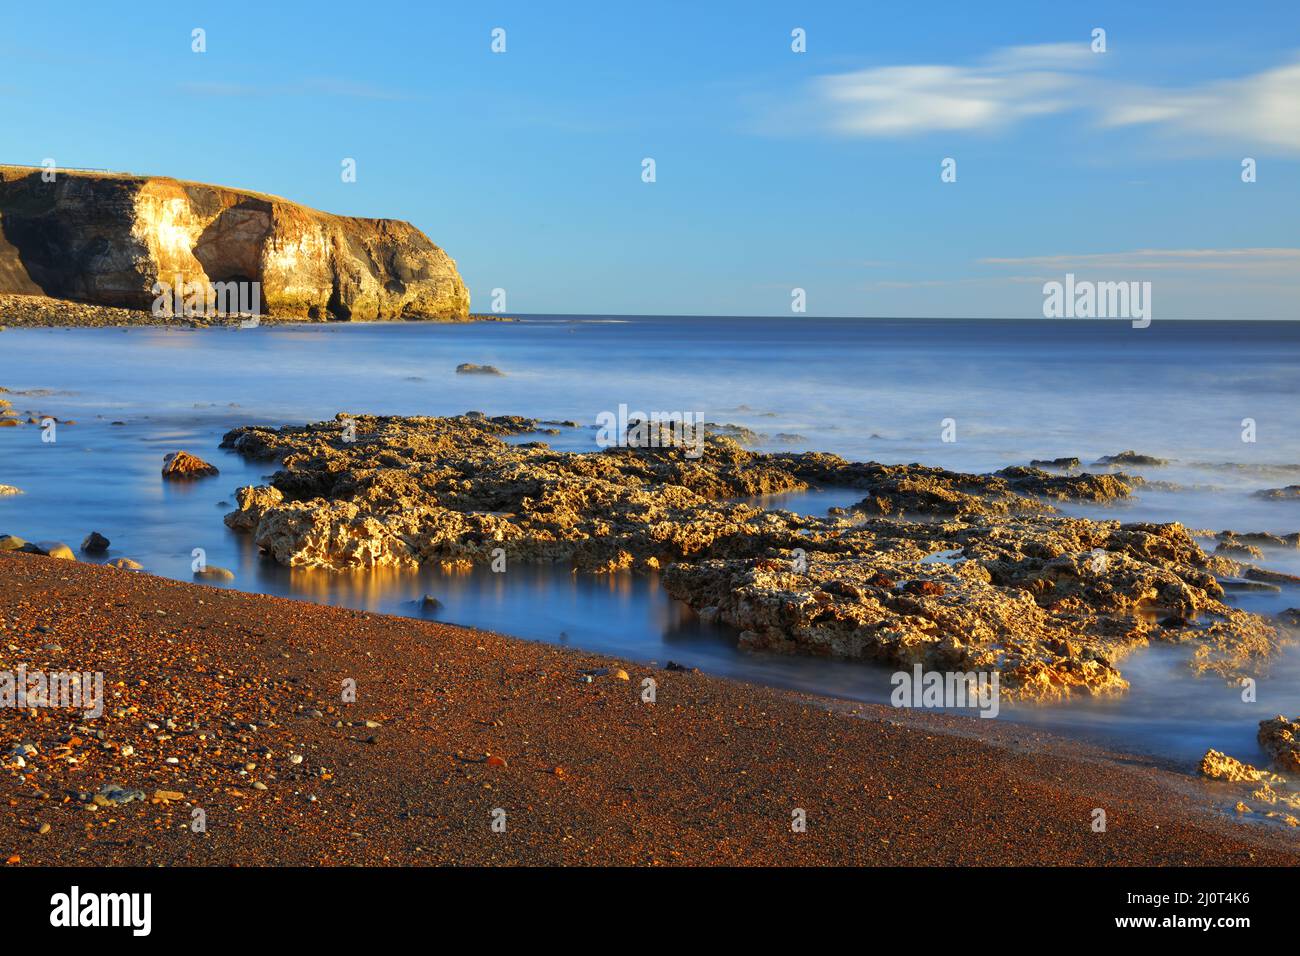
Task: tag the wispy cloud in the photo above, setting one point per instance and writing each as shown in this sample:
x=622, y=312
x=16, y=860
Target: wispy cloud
x=1017, y=84
x=1263, y=108
x=1267, y=261
x=1008, y=86
x=318, y=86
x=890, y=284
x=1262, y=269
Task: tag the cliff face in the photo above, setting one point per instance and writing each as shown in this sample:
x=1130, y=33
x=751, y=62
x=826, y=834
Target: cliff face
x=106, y=239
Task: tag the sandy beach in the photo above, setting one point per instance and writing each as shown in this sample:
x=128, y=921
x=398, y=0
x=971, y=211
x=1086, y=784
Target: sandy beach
x=213, y=696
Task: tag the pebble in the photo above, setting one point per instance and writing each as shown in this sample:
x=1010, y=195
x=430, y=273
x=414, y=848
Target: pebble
x=113, y=795
x=214, y=573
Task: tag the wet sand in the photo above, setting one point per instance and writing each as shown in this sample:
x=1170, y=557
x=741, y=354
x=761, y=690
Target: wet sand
x=469, y=722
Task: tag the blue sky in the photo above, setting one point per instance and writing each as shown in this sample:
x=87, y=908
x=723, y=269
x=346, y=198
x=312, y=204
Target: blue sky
x=775, y=170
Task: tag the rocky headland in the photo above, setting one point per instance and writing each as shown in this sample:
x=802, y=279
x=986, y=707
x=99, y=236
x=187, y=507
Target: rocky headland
x=104, y=239
x=957, y=572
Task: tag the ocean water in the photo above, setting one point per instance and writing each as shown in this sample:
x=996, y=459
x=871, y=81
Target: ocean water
x=883, y=390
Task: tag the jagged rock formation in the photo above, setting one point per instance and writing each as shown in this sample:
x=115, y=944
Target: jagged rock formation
x=952, y=571
x=108, y=238
x=1281, y=739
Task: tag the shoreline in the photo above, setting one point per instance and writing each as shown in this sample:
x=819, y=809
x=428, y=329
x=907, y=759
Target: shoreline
x=21, y=311
x=469, y=722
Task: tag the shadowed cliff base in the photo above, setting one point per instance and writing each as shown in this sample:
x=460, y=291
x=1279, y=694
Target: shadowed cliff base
x=42, y=311
x=109, y=239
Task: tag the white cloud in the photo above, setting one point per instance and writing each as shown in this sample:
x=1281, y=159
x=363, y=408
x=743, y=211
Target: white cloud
x=1263, y=108
x=1015, y=84
x=1009, y=85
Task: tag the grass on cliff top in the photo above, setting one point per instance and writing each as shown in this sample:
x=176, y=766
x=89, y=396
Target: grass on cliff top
x=8, y=171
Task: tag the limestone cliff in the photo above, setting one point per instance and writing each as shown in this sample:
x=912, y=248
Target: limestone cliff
x=107, y=238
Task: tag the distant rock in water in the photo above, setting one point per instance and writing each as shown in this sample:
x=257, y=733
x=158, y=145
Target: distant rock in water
x=1289, y=493
x=1056, y=464
x=1131, y=458
x=737, y=433
x=95, y=543
x=106, y=238
x=468, y=368
x=1260, y=538
x=182, y=466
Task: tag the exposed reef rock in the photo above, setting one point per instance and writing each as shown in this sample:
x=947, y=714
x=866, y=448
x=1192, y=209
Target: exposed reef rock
x=1280, y=738
x=1131, y=458
x=944, y=569
x=1219, y=766
x=1289, y=493
x=107, y=238
x=182, y=466
x=1258, y=539
x=903, y=490
x=1270, y=795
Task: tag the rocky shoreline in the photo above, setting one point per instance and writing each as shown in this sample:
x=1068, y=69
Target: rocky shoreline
x=228, y=703
x=226, y=739
x=955, y=572
x=38, y=311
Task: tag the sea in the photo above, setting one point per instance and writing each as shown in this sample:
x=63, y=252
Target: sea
x=1216, y=399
